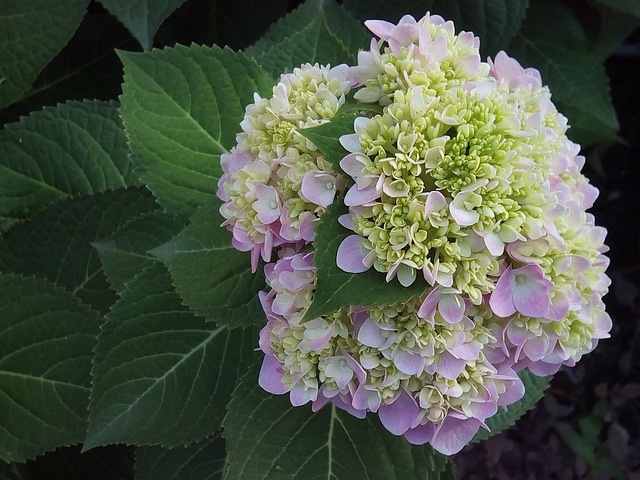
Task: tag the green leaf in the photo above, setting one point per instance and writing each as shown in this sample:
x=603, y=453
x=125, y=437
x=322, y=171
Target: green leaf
x=76, y=148
x=182, y=108
x=45, y=359
x=87, y=67
x=501, y=421
x=31, y=34
x=336, y=288
x=56, y=242
x=125, y=253
x=142, y=17
x=201, y=461
x=553, y=41
x=631, y=7
x=267, y=438
x=213, y=278
x=327, y=136
x=614, y=28
x=114, y=462
x=162, y=376
x=318, y=31
x=494, y=21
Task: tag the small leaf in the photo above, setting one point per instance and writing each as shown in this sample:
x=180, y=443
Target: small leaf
x=142, y=17
x=56, y=242
x=336, y=288
x=213, y=278
x=327, y=136
x=267, y=438
x=125, y=253
x=45, y=359
x=31, y=34
x=162, y=376
x=501, y=421
x=204, y=460
x=319, y=31
x=552, y=40
x=182, y=108
x=73, y=149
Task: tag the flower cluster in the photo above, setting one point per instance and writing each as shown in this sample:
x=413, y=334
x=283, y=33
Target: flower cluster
x=276, y=183
x=466, y=184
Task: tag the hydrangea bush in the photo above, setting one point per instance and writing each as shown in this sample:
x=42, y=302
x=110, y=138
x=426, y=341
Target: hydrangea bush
x=342, y=249
x=465, y=183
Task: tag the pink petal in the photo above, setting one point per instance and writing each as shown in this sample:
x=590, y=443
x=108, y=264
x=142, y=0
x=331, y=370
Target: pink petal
x=531, y=291
x=356, y=197
x=398, y=416
x=450, y=367
x=454, y=433
x=318, y=188
x=501, y=300
x=350, y=256
x=271, y=374
x=420, y=435
x=370, y=334
x=409, y=363
x=451, y=306
x=380, y=28
x=301, y=394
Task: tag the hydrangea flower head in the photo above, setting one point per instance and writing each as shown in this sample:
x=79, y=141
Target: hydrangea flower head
x=464, y=183
x=276, y=183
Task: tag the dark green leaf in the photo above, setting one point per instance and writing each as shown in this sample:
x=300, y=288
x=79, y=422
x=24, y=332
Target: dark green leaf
x=87, y=67
x=327, y=136
x=182, y=108
x=336, y=288
x=267, y=438
x=553, y=41
x=45, y=358
x=614, y=28
x=142, y=17
x=31, y=34
x=73, y=149
x=631, y=7
x=201, y=461
x=318, y=31
x=162, y=376
x=534, y=390
x=494, y=21
x=56, y=242
x=124, y=254
x=212, y=277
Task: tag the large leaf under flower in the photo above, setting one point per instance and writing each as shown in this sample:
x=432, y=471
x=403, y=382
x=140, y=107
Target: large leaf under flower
x=268, y=439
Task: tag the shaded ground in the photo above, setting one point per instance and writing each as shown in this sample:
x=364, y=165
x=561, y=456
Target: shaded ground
x=588, y=424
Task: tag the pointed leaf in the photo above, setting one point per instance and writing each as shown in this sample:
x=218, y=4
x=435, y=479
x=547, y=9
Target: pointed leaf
x=318, y=31
x=267, y=438
x=125, y=253
x=336, y=288
x=31, y=34
x=182, y=108
x=552, y=40
x=204, y=460
x=45, y=359
x=88, y=67
x=494, y=21
x=212, y=277
x=73, y=149
x=142, y=17
x=62, y=235
x=534, y=390
x=162, y=376
x=327, y=136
